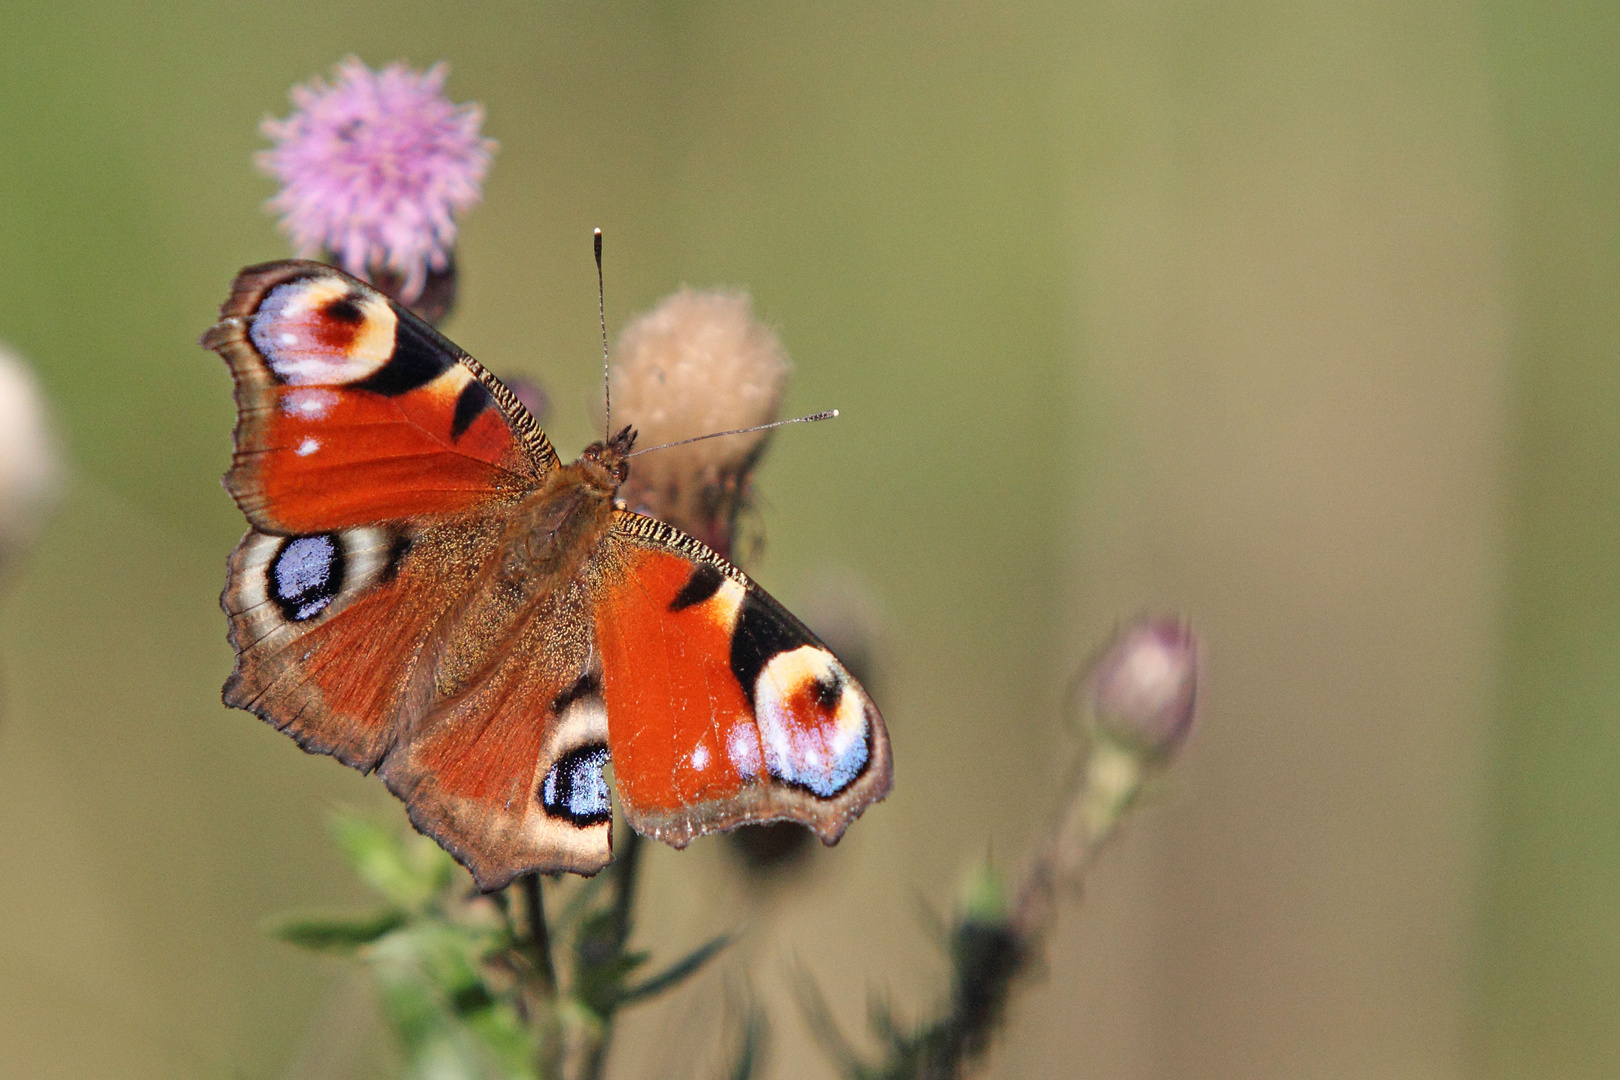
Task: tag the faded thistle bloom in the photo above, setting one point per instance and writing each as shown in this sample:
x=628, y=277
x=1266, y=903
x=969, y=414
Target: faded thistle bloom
x=697, y=363
x=374, y=168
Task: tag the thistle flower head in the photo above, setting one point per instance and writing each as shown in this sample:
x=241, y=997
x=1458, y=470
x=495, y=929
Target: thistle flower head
x=374, y=168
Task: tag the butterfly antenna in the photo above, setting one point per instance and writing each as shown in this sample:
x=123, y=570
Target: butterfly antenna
x=601, y=316
x=812, y=418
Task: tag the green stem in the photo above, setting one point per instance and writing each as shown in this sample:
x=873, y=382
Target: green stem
x=626, y=870
x=539, y=935
x=625, y=873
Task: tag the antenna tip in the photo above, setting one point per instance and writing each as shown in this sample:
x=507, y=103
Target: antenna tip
x=834, y=412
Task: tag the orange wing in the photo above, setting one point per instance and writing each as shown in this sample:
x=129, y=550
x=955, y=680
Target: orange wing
x=351, y=410
x=723, y=709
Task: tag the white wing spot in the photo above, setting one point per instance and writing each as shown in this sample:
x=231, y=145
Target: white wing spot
x=700, y=757
x=743, y=748
x=308, y=447
x=308, y=404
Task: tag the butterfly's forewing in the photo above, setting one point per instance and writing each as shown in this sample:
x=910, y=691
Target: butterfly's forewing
x=351, y=410
x=723, y=709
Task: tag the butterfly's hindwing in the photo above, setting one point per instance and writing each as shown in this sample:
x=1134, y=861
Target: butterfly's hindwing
x=723, y=708
x=506, y=769
x=309, y=613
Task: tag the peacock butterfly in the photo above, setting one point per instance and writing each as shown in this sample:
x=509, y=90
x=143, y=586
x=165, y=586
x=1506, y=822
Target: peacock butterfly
x=426, y=591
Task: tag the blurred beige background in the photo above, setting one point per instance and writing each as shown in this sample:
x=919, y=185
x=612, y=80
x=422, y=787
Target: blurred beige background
x=1296, y=319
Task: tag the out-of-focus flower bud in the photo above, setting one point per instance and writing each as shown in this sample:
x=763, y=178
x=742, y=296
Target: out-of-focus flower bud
x=433, y=303
x=374, y=168
x=984, y=896
x=531, y=394
x=845, y=615
x=30, y=471
x=696, y=364
x=1145, y=686
x=766, y=852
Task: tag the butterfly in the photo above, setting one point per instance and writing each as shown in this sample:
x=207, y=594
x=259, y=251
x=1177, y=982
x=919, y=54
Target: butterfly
x=426, y=591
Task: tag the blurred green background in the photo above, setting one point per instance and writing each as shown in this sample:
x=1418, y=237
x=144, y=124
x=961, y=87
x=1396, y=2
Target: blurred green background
x=1298, y=318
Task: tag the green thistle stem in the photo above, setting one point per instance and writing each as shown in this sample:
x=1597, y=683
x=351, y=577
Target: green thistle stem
x=539, y=935
x=626, y=872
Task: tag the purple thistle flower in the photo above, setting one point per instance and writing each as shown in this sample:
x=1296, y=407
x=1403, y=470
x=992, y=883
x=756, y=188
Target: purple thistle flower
x=374, y=168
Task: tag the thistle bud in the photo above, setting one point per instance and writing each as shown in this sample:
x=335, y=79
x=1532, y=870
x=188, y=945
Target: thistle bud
x=433, y=302
x=1144, y=688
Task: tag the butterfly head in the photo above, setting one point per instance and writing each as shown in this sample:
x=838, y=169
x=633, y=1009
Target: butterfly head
x=611, y=455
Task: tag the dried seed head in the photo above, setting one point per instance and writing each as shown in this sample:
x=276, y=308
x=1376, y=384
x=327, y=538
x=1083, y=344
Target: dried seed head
x=697, y=363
